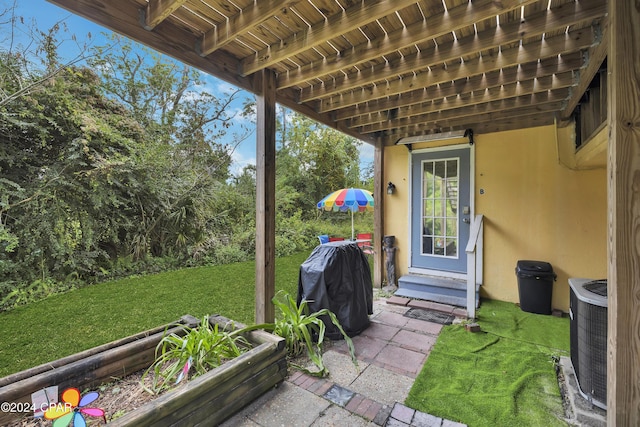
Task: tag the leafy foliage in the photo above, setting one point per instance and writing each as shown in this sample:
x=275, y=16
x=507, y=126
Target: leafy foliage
x=203, y=347
x=303, y=331
x=113, y=163
x=314, y=161
x=85, y=180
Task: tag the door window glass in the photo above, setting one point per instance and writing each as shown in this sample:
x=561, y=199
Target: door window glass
x=440, y=207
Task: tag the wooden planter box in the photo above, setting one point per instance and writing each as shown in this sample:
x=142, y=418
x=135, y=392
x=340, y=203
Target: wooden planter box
x=209, y=399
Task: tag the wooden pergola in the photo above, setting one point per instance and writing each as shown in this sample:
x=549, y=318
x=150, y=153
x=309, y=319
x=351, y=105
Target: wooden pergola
x=381, y=70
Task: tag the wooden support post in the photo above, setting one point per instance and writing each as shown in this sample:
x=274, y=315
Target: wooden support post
x=623, y=366
x=378, y=214
x=265, y=195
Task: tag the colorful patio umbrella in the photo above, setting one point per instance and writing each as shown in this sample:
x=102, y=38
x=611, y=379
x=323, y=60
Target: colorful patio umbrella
x=348, y=199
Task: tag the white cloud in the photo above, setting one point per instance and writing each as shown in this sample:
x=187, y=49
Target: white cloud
x=366, y=152
x=223, y=87
x=238, y=118
x=242, y=156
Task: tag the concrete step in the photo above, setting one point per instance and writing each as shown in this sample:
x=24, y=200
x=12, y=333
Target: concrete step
x=437, y=289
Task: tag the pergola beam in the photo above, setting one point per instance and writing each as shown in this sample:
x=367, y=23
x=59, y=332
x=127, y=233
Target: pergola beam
x=495, y=79
x=240, y=24
x=349, y=19
x=537, y=25
x=552, y=46
x=159, y=10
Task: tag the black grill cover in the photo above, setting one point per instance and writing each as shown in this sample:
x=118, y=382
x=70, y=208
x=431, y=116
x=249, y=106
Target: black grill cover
x=337, y=277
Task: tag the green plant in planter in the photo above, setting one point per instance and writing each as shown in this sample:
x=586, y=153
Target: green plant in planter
x=202, y=348
x=303, y=331
x=205, y=347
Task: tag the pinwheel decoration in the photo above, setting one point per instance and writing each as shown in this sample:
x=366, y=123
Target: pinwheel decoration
x=185, y=370
x=73, y=408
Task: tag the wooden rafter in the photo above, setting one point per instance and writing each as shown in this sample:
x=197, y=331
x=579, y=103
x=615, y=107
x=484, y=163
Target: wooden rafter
x=348, y=20
x=240, y=24
x=428, y=29
x=496, y=124
x=552, y=46
x=465, y=104
x=122, y=16
x=487, y=112
x=353, y=64
x=545, y=21
x=159, y=10
x=496, y=79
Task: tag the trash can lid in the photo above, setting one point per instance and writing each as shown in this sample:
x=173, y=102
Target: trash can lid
x=539, y=266
x=528, y=268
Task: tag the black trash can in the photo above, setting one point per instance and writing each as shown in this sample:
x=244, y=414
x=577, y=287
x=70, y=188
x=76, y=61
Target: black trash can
x=535, y=286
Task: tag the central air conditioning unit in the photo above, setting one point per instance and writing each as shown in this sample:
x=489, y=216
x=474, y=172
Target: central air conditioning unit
x=588, y=334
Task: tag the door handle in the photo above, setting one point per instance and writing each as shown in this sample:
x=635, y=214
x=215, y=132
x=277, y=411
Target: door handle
x=466, y=220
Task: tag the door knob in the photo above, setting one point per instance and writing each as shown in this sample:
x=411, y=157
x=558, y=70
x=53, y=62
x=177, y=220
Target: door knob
x=466, y=220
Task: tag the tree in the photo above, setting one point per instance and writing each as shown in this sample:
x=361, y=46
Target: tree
x=122, y=162
x=171, y=102
x=63, y=145
x=315, y=161
x=27, y=66
x=89, y=177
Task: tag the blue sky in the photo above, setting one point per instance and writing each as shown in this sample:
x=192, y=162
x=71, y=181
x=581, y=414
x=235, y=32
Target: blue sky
x=45, y=15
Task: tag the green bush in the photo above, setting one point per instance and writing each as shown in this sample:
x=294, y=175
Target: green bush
x=303, y=331
x=229, y=254
x=294, y=234
x=285, y=246
x=13, y=296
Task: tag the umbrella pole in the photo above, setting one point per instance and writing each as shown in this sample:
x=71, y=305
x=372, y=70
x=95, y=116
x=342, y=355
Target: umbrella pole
x=352, y=230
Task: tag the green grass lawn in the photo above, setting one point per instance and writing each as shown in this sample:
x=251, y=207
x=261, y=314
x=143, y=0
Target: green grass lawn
x=68, y=323
x=503, y=376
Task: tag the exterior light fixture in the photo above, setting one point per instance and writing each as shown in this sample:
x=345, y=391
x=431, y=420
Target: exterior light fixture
x=391, y=188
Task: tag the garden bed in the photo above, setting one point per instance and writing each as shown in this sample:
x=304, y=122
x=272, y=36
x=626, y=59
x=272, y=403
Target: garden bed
x=209, y=399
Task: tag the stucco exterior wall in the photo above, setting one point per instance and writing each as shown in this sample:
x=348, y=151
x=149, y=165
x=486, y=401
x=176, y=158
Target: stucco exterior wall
x=534, y=208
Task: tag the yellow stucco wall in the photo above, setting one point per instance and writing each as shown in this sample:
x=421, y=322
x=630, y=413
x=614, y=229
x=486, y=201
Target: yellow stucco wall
x=534, y=207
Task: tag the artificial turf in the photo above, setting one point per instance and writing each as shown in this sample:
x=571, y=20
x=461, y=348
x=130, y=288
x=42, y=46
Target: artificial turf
x=502, y=376
x=77, y=320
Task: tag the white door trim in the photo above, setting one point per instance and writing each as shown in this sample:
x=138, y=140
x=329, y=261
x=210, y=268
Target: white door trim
x=472, y=192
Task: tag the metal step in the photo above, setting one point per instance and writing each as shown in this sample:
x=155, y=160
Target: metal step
x=445, y=291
